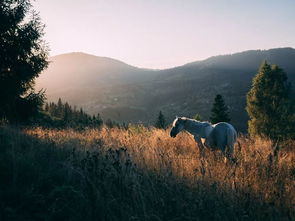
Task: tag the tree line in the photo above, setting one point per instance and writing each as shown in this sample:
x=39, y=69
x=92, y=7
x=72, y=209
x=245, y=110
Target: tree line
x=64, y=115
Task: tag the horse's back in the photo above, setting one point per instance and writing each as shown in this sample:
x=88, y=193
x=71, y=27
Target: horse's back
x=222, y=135
x=223, y=127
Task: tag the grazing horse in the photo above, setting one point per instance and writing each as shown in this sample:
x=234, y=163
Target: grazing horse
x=220, y=136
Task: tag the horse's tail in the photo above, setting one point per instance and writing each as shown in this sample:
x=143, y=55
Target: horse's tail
x=231, y=139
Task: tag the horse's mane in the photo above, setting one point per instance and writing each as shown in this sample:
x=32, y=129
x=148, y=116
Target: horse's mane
x=190, y=119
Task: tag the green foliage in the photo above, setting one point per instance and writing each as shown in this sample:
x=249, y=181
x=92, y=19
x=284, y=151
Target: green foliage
x=161, y=122
x=269, y=105
x=63, y=115
x=219, y=111
x=23, y=55
x=197, y=117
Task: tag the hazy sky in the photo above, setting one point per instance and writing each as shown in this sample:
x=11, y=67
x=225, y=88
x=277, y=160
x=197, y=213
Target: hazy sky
x=166, y=33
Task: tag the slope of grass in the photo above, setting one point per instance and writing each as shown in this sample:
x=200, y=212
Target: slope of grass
x=140, y=174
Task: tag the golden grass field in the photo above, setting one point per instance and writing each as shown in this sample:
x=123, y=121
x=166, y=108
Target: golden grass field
x=141, y=174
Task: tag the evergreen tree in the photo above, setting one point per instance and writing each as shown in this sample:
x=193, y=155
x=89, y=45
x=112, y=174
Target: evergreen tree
x=67, y=112
x=98, y=121
x=161, y=122
x=63, y=115
x=60, y=108
x=219, y=111
x=23, y=55
x=46, y=108
x=269, y=104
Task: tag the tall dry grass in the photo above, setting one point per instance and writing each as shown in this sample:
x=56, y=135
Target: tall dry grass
x=142, y=174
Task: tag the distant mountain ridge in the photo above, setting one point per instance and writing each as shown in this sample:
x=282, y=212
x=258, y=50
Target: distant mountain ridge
x=129, y=94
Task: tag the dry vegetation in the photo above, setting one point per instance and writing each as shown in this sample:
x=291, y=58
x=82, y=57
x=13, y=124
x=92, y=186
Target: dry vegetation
x=140, y=174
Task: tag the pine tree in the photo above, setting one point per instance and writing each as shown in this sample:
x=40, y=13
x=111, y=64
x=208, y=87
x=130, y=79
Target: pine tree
x=98, y=121
x=269, y=105
x=46, y=108
x=219, y=111
x=23, y=55
x=63, y=115
x=67, y=113
x=161, y=122
x=60, y=108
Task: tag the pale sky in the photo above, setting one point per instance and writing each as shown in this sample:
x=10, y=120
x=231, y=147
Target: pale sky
x=166, y=33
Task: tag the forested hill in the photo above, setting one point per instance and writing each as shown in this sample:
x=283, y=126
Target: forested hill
x=126, y=93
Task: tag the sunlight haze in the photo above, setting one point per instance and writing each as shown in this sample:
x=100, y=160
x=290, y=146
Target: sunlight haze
x=165, y=33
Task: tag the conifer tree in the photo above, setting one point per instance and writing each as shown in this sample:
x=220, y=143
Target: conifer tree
x=67, y=112
x=269, y=105
x=60, y=108
x=46, y=108
x=23, y=55
x=66, y=116
x=98, y=121
x=219, y=111
x=161, y=122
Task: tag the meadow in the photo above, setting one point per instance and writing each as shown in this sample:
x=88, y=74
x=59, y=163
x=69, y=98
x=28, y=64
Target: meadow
x=140, y=174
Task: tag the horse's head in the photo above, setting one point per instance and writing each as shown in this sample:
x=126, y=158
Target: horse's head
x=177, y=126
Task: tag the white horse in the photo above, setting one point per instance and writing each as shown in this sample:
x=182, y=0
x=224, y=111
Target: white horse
x=220, y=136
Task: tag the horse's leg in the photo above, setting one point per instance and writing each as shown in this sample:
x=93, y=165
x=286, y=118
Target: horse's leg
x=229, y=153
x=230, y=141
x=200, y=145
x=222, y=146
x=199, y=142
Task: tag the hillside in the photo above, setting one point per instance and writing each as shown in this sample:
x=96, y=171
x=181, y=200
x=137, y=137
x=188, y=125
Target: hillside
x=126, y=93
x=79, y=77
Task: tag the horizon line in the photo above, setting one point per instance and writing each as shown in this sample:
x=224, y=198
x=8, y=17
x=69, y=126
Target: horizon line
x=159, y=69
